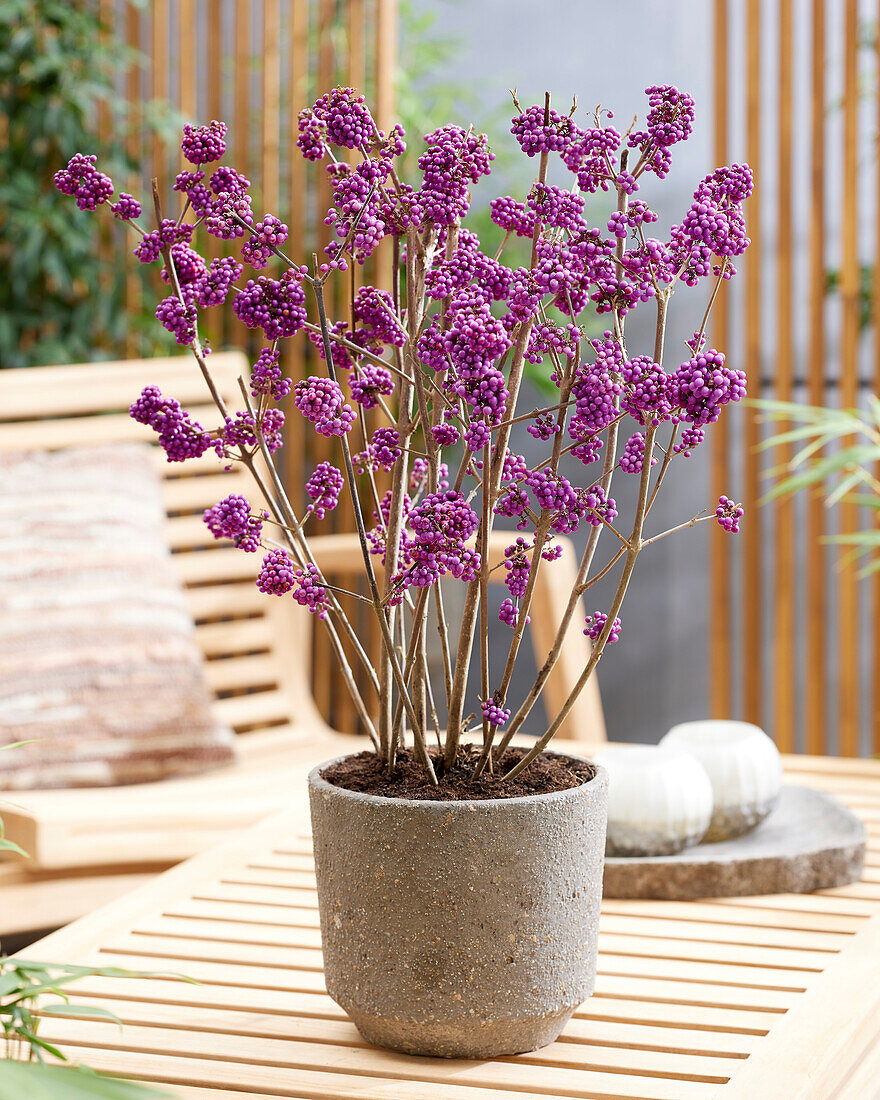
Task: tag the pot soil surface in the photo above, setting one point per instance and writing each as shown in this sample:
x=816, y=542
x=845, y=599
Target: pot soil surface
x=366, y=773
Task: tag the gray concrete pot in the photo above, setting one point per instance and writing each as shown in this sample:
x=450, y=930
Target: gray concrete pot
x=459, y=929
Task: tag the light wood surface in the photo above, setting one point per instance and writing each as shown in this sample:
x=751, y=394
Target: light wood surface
x=257, y=649
x=765, y=997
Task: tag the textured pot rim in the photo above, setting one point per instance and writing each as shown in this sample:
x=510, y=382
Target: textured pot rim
x=317, y=782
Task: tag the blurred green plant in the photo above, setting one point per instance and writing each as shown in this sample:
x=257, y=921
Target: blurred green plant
x=843, y=474
x=58, y=68
x=33, y=1081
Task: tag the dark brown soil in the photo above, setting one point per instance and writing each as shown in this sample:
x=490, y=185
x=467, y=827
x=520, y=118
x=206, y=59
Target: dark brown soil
x=366, y=773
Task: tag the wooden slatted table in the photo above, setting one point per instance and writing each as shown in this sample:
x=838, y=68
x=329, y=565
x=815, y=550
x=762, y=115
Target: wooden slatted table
x=762, y=998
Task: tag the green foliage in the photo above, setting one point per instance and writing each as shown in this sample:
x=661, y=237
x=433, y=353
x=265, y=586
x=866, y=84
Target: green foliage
x=38, y=1082
x=23, y=982
x=854, y=436
x=58, y=68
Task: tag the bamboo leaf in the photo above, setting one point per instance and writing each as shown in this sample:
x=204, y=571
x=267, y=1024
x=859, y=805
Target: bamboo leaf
x=856, y=538
x=80, y=1011
x=846, y=485
x=38, y=1044
x=795, y=434
x=29, y=1081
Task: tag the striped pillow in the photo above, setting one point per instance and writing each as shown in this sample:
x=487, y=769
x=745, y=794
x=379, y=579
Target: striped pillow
x=99, y=666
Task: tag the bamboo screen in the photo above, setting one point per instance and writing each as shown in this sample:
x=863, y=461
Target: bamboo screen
x=255, y=64
x=793, y=635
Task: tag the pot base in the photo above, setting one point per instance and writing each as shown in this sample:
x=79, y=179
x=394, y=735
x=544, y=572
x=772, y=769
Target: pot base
x=463, y=1038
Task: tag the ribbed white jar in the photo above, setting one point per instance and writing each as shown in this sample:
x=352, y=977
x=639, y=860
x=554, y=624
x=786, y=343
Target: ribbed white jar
x=743, y=765
x=659, y=799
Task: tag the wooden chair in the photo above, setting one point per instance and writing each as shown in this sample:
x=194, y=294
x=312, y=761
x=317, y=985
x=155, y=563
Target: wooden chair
x=87, y=845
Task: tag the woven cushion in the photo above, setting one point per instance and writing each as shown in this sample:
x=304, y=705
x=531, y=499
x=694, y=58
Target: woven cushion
x=98, y=659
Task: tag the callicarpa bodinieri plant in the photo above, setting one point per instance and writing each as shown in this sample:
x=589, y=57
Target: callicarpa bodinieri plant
x=440, y=356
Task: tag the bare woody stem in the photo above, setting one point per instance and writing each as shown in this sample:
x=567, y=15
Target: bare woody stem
x=635, y=541
x=296, y=541
x=541, y=533
x=491, y=484
x=397, y=672
x=400, y=476
x=586, y=563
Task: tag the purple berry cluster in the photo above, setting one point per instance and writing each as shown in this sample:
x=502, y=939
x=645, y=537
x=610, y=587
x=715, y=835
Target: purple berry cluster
x=179, y=318
x=557, y=207
x=169, y=234
x=277, y=574
x=596, y=624
x=310, y=592
x=322, y=403
x=703, y=385
x=323, y=489
x=82, y=180
x=453, y=158
x=268, y=235
x=180, y=436
x=203, y=144
x=277, y=306
x=632, y=460
x=384, y=448
x=267, y=379
x=728, y=513
x=440, y=526
x=369, y=383
x=126, y=208
x=537, y=136
x=340, y=117
x=494, y=713
x=231, y=518
x=512, y=216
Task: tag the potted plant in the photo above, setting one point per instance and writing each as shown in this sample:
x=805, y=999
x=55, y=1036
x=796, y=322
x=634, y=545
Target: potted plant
x=459, y=885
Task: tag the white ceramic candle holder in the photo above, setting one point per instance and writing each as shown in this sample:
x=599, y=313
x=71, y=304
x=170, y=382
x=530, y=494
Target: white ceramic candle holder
x=659, y=799
x=743, y=765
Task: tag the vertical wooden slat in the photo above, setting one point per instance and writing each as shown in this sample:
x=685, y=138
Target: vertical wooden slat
x=296, y=217
x=386, y=68
x=875, y=694
x=186, y=61
x=784, y=563
x=159, y=44
x=815, y=692
x=133, y=285
x=720, y=624
x=105, y=124
x=357, y=57
x=236, y=331
x=271, y=72
x=319, y=448
x=213, y=319
x=386, y=61
x=753, y=587
x=847, y=622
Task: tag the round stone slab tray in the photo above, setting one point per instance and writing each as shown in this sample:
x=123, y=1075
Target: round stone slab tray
x=809, y=842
